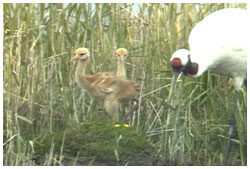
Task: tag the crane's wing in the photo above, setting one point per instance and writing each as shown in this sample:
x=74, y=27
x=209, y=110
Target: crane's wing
x=102, y=82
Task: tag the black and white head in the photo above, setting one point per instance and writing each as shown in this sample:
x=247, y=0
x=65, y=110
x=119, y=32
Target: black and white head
x=181, y=63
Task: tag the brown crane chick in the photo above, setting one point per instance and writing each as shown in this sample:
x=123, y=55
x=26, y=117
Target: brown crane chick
x=122, y=55
x=121, y=72
x=106, y=87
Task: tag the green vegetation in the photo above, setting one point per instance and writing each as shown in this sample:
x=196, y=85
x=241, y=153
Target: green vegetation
x=48, y=120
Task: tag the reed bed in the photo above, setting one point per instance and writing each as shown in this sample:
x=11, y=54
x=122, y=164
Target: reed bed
x=49, y=120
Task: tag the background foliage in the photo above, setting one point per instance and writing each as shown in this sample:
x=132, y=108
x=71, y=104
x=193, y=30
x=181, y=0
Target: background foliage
x=49, y=121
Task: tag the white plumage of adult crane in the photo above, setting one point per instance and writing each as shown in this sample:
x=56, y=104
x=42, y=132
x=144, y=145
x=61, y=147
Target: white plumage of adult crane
x=218, y=43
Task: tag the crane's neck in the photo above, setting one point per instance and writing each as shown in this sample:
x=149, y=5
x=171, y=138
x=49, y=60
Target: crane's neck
x=80, y=74
x=121, y=72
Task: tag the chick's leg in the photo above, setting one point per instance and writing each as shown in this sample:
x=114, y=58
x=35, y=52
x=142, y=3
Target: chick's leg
x=112, y=108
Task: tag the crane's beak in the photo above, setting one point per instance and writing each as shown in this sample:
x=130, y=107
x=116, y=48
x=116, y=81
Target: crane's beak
x=121, y=58
x=76, y=57
x=173, y=86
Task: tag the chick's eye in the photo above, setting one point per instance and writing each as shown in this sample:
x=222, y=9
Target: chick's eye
x=82, y=54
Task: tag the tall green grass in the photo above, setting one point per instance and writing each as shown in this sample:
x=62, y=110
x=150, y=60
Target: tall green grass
x=48, y=120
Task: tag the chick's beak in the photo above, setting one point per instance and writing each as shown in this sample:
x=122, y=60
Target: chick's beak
x=121, y=58
x=76, y=57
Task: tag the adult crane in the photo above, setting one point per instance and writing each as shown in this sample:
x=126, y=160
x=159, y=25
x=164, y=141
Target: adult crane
x=218, y=43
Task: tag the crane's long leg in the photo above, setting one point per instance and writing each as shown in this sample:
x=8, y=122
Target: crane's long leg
x=231, y=127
